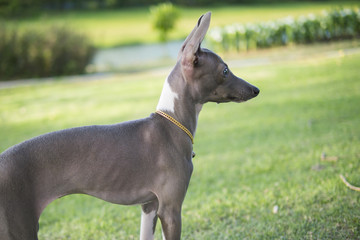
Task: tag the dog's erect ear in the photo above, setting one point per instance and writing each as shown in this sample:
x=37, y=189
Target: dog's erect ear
x=192, y=43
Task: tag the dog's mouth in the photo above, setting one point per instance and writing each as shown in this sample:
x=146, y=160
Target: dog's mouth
x=241, y=98
x=230, y=99
x=236, y=99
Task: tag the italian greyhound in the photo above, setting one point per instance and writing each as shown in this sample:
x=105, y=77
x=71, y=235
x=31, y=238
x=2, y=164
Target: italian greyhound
x=146, y=161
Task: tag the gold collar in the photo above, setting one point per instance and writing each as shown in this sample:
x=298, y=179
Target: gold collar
x=174, y=121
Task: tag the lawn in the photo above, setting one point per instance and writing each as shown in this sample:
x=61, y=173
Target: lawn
x=129, y=26
x=258, y=172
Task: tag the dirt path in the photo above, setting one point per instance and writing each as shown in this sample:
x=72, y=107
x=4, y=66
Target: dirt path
x=238, y=60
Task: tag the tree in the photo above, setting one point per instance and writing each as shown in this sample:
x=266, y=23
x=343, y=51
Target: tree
x=164, y=17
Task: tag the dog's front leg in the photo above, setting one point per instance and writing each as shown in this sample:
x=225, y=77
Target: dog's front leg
x=148, y=220
x=170, y=219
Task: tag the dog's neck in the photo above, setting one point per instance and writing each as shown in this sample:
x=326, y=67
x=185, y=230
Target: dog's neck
x=176, y=100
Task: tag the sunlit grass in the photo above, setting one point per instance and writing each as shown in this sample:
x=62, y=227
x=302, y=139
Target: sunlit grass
x=251, y=157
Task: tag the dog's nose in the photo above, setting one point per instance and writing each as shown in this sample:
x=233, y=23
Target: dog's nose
x=256, y=91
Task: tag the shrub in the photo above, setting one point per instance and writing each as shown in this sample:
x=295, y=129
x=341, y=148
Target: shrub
x=54, y=52
x=334, y=25
x=164, y=17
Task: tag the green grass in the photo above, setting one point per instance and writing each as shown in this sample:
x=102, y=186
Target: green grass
x=129, y=26
x=250, y=157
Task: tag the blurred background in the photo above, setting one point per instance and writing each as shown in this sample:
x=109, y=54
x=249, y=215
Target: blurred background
x=70, y=37
x=265, y=169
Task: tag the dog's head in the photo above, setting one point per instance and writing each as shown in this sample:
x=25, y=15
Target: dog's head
x=210, y=77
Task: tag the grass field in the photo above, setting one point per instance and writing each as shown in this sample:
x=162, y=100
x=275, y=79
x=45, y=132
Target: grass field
x=130, y=26
x=252, y=158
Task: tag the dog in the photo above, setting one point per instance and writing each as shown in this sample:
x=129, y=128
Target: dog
x=146, y=161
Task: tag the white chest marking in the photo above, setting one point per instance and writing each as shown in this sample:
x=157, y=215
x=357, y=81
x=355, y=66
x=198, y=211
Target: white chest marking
x=147, y=225
x=167, y=98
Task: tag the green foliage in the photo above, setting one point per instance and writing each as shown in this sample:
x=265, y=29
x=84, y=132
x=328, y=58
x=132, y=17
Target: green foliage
x=53, y=52
x=333, y=25
x=116, y=27
x=18, y=8
x=164, y=17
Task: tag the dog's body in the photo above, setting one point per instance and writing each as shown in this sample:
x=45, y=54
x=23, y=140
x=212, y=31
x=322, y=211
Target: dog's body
x=146, y=161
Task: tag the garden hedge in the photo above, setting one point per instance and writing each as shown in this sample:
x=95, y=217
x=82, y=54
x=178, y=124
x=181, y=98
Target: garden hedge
x=53, y=52
x=330, y=25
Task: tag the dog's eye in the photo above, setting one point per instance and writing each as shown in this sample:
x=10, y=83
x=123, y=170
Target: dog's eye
x=225, y=71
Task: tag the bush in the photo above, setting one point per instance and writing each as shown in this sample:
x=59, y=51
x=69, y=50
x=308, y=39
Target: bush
x=334, y=25
x=164, y=17
x=17, y=8
x=54, y=52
